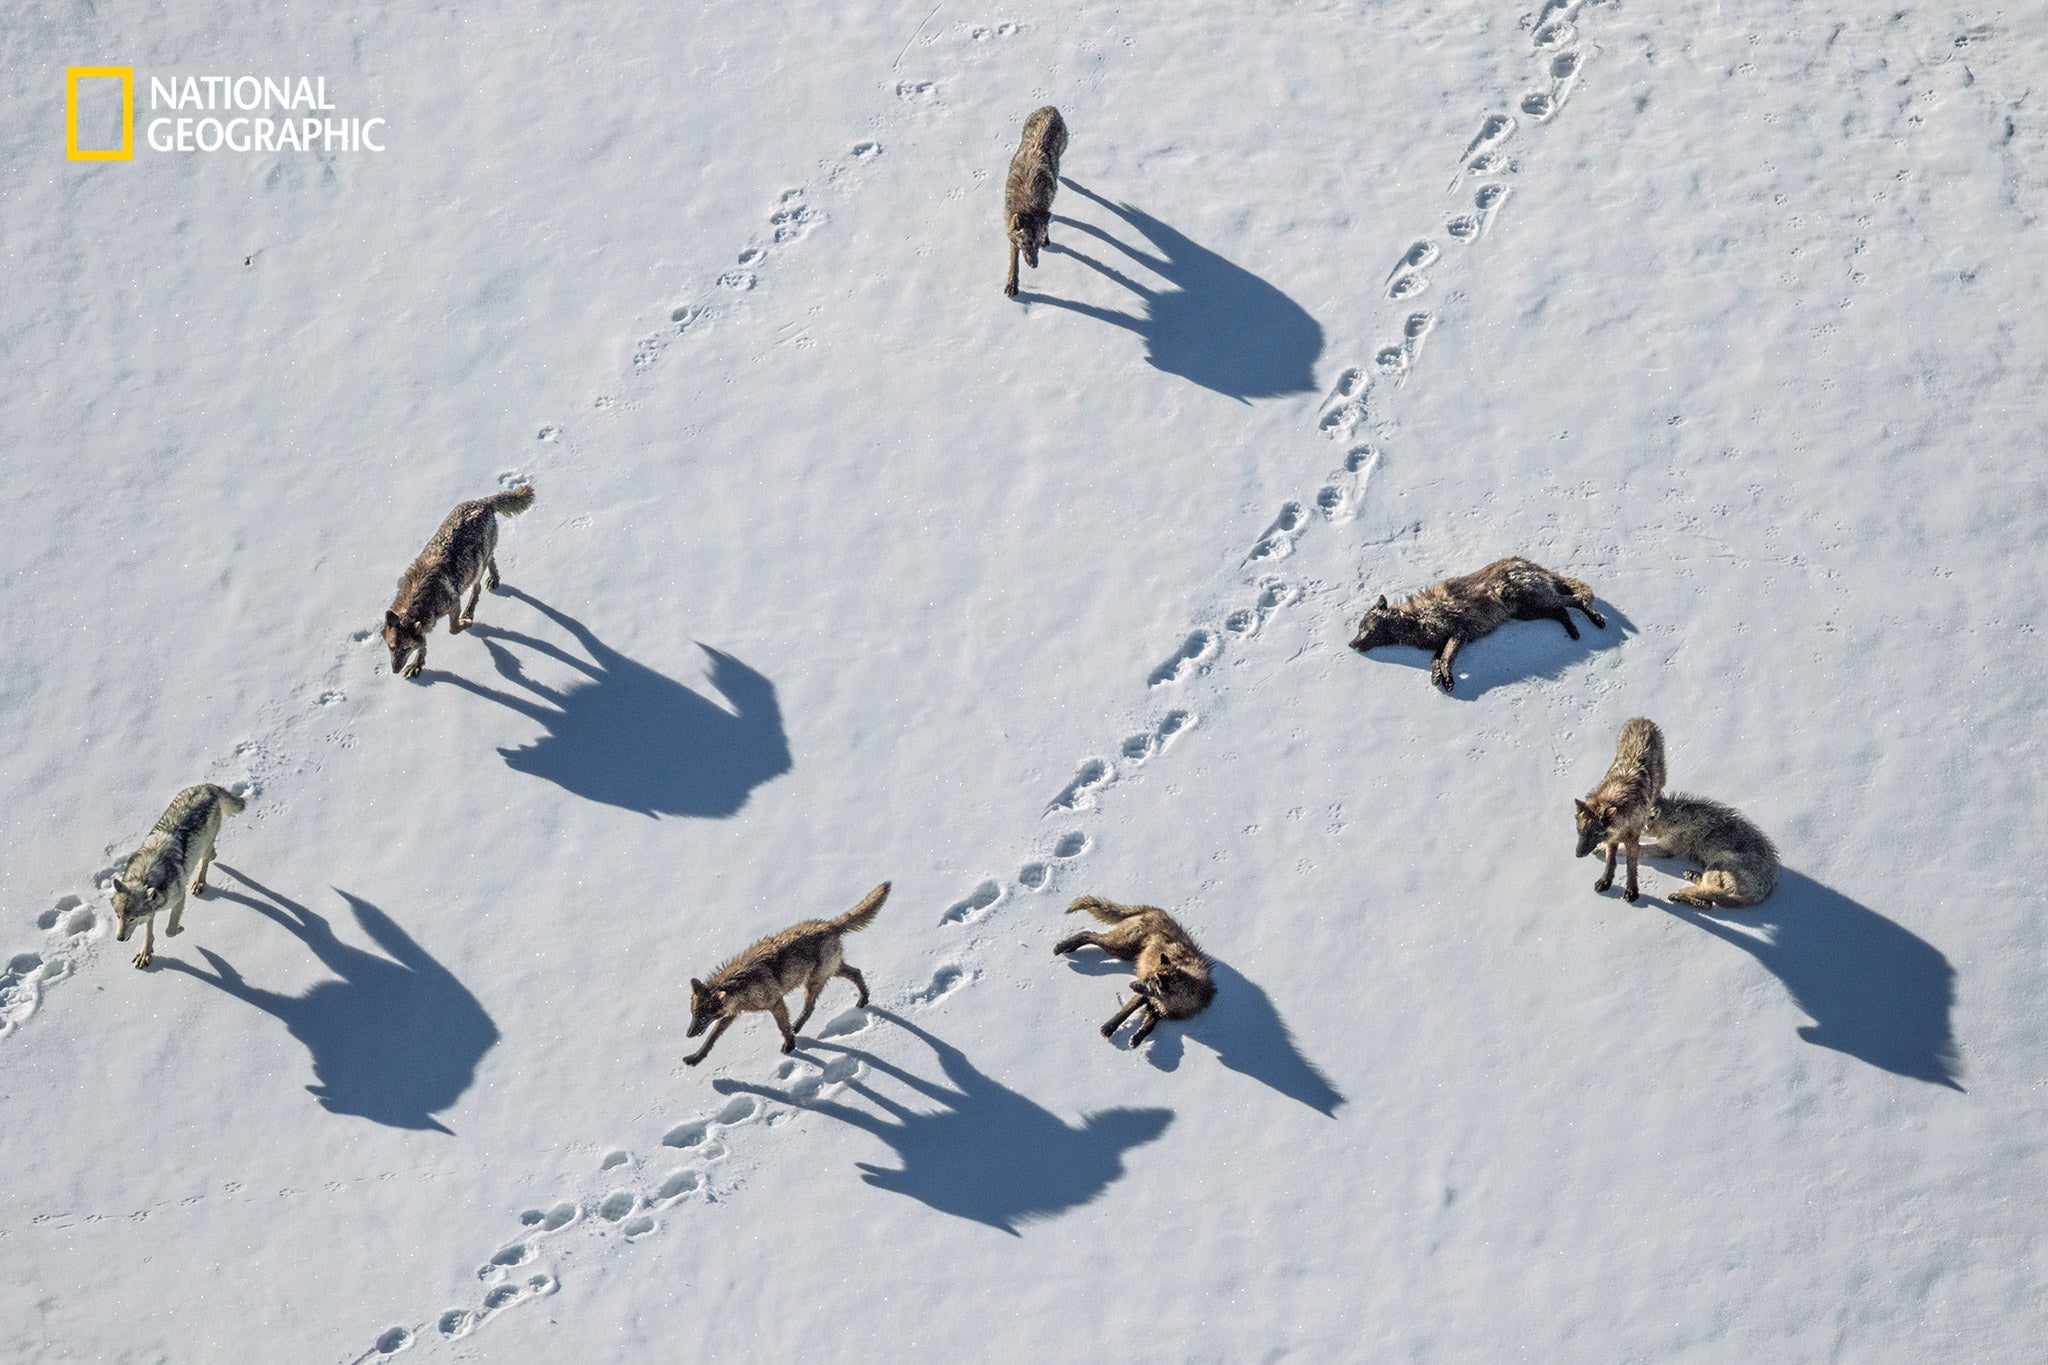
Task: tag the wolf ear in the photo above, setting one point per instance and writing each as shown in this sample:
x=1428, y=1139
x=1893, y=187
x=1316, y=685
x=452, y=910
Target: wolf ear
x=121, y=886
x=696, y=986
x=1016, y=221
x=1382, y=602
x=1584, y=809
x=391, y=621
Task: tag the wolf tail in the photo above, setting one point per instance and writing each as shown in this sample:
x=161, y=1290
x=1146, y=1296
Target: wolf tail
x=1578, y=589
x=511, y=504
x=230, y=804
x=862, y=915
x=1109, y=912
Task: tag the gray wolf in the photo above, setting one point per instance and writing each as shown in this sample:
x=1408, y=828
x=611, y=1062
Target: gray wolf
x=806, y=955
x=1027, y=194
x=1614, y=813
x=1173, y=978
x=1459, y=610
x=462, y=557
x=178, y=849
x=1738, y=862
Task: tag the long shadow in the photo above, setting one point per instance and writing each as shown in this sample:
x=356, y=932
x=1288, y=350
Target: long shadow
x=1242, y=1027
x=394, y=1039
x=1518, y=652
x=1212, y=322
x=628, y=736
x=987, y=1154
x=1873, y=988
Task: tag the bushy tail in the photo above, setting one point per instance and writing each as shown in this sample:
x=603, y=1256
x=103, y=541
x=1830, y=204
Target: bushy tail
x=1582, y=591
x=1109, y=912
x=862, y=915
x=230, y=804
x=512, y=503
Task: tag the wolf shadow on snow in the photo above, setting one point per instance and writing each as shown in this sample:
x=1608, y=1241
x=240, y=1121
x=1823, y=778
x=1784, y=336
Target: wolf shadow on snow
x=1517, y=652
x=1874, y=989
x=1241, y=1026
x=393, y=1039
x=1212, y=322
x=987, y=1153
x=625, y=735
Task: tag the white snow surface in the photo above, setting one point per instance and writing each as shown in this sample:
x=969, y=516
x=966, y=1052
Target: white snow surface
x=844, y=568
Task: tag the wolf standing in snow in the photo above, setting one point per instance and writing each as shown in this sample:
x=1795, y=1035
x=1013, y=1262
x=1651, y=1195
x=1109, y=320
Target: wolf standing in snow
x=1027, y=194
x=806, y=955
x=1459, y=610
x=462, y=557
x=1614, y=813
x=1738, y=861
x=180, y=847
x=1173, y=980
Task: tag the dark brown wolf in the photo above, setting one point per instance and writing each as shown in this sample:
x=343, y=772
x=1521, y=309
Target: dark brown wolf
x=1027, y=194
x=1173, y=979
x=1459, y=610
x=462, y=557
x=1614, y=814
x=806, y=955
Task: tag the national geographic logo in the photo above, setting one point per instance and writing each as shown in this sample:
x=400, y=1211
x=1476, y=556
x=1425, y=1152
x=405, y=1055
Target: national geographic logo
x=206, y=114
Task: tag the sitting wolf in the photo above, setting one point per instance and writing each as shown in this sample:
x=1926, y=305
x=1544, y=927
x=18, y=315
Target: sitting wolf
x=180, y=847
x=1738, y=862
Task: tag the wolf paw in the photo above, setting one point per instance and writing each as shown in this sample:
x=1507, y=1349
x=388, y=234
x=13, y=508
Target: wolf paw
x=1602, y=885
x=461, y=626
x=412, y=670
x=173, y=933
x=142, y=958
x=1630, y=895
x=1443, y=679
x=1599, y=621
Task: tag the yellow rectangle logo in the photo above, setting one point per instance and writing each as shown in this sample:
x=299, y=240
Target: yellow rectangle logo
x=72, y=76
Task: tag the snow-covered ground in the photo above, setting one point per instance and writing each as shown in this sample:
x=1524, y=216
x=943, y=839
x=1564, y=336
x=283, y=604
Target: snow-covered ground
x=845, y=568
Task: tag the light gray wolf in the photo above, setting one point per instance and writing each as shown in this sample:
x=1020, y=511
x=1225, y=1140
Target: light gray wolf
x=1027, y=194
x=1173, y=980
x=179, y=849
x=806, y=955
x=1613, y=814
x=1460, y=610
x=462, y=557
x=1738, y=862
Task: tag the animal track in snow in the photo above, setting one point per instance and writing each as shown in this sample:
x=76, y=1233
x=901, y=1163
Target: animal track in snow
x=1194, y=654
x=975, y=904
x=1278, y=540
x=1470, y=227
x=1339, y=498
x=947, y=979
x=1344, y=409
x=1080, y=792
x=792, y=218
x=916, y=92
x=846, y=1024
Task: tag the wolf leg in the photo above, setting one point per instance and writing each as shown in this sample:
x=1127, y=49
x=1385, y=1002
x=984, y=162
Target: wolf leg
x=811, y=992
x=417, y=662
x=717, y=1031
x=476, y=591
x=176, y=925
x=1080, y=940
x=1440, y=671
x=1564, y=618
x=1607, y=877
x=148, y=941
x=1585, y=604
x=781, y=1013
x=1010, y=284
x=199, y=882
x=491, y=573
x=859, y=983
x=1109, y=1029
x=1634, y=852
x=1152, y=1018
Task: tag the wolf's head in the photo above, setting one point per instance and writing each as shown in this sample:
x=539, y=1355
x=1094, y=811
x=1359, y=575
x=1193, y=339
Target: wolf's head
x=1382, y=625
x=1593, y=826
x=132, y=905
x=402, y=637
x=707, y=1006
x=1028, y=233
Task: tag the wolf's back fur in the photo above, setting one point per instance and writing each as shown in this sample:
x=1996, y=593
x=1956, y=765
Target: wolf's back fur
x=175, y=853
x=805, y=955
x=1028, y=192
x=1613, y=814
x=1460, y=610
x=461, y=558
x=1173, y=978
x=1738, y=861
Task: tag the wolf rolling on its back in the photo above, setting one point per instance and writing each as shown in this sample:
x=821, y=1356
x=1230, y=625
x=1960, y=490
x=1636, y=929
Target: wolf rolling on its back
x=1614, y=813
x=1173, y=978
x=462, y=557
x=180, y=847
x=806, y=955
x=1027, y=194
x=1459, y=610
x=1738, y=861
